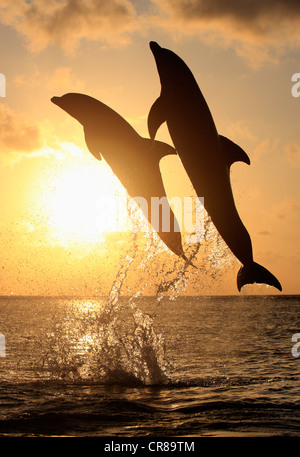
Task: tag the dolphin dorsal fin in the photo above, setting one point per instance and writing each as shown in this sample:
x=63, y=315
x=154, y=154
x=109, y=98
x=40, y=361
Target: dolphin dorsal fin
x=232, y=152
x=156, y=117
x=91, y=144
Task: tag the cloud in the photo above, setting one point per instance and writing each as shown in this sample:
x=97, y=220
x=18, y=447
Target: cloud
x=258, y=30
x=253, y=27
x=258, y=15
x=20, y=139
x=264, y=233
x=65, y=23
x=263, y=148
x=17, y=135
x=60, y=151
x=292, y=152
x=240, y=129
x=286, y=209
x=64, y=79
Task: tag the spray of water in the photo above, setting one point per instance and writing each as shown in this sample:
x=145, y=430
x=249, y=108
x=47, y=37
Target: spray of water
x=112, y=340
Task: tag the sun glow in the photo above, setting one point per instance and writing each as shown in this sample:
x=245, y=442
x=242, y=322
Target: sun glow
x=84, y=203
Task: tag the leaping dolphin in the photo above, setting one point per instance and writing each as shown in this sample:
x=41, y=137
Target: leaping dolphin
x=133, y=159
x=206, y=156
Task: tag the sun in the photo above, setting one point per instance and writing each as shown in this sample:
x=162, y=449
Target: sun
x=84, y=202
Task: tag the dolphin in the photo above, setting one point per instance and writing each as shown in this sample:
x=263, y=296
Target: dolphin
x=133, y=159
x=206, y=157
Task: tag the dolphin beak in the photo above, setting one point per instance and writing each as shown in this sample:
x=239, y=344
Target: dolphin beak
x=55, y=100
x=154, y=46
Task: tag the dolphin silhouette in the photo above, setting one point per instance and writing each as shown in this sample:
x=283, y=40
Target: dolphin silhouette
x=133, y=159
x=206, y=156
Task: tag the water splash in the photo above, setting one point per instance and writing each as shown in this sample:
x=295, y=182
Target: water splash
x=112, y=340
x=212, y=258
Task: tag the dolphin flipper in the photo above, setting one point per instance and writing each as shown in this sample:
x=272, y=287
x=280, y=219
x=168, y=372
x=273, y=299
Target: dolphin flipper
x=156, y=117
x=249, y=274
x=92, y=145
x=232, y=152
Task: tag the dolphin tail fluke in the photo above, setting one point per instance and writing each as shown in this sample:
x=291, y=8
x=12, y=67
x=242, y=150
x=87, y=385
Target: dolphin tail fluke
x=255, y=273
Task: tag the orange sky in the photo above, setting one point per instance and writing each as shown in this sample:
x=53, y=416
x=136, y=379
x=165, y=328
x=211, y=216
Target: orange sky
x=54, y=237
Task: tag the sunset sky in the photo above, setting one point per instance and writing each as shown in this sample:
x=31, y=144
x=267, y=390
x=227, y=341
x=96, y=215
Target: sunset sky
x=55, y=237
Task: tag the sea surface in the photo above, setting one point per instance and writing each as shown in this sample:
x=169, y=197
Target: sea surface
x=189, y=367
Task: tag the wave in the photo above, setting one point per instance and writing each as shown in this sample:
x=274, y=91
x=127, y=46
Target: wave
x=108, y=416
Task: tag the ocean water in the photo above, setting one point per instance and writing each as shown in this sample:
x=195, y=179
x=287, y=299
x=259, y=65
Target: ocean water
x=132, y=367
